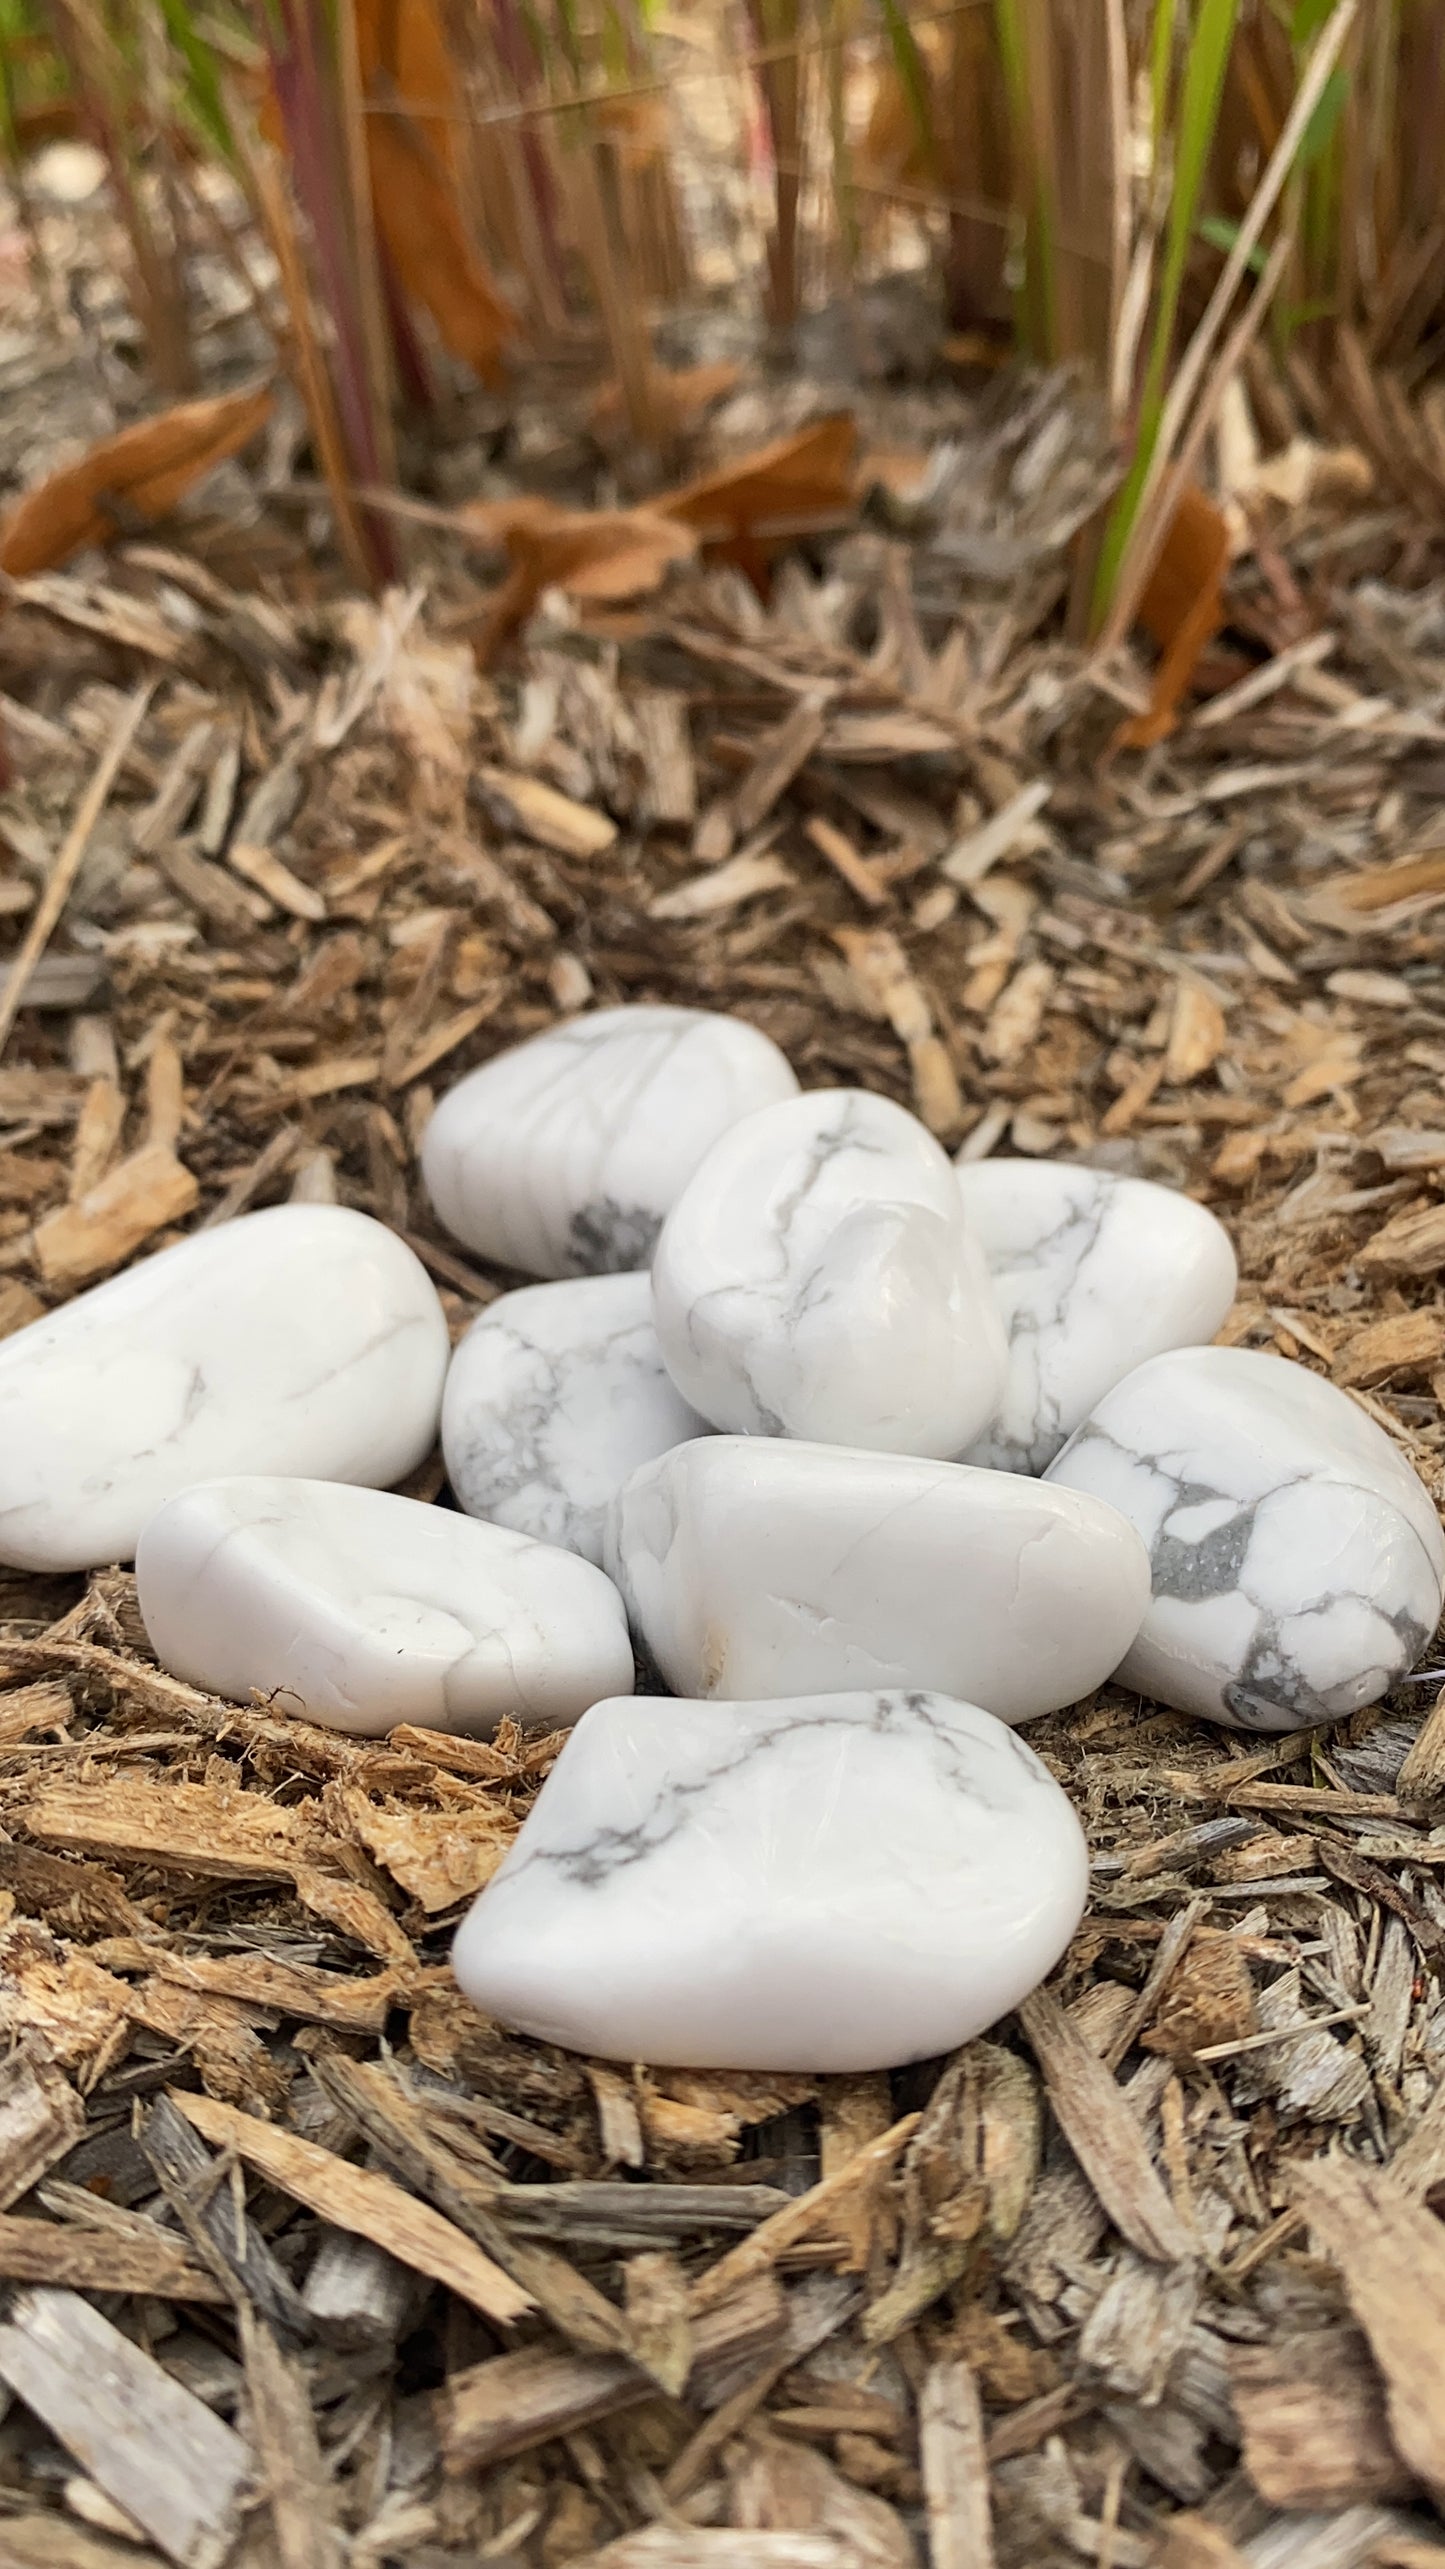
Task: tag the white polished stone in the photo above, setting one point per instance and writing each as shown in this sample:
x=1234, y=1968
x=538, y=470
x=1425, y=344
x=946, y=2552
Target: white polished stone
x=817, y=1278
x=554, y=1397
x=754, y=1567
x=1093, y=1274
x=361, y=1609
x=561, y=1156
x=303, y=1339
x=840, y=1882
x=1297, y=1562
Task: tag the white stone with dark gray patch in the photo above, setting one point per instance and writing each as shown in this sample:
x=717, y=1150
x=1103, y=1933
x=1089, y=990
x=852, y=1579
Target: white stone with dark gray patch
x=835, y=1883
x=303, y=1339
x=561, y=1156
x=754, y=1566
x=1093, y=1275
x=817, y=1278
x=1297, y=1564
x=360, y=1609
x=555, y=1395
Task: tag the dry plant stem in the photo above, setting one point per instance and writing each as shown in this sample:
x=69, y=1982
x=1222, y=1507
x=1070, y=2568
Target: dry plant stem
x=48, y=909
x=310, y=365
x=1151, y=522
x=1117, y=42
x=370, y=299
x=86, y=41
x=590, y=177
x=780, y=81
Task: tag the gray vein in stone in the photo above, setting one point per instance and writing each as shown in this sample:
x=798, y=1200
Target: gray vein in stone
x=591, y=1863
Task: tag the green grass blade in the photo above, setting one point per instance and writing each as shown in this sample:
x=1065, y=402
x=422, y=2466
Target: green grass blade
x=1203, y=84
x=913, y=79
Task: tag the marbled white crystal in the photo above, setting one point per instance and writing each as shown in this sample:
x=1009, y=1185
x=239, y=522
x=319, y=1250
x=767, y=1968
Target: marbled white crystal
x=1093, y=1274
x=303, y=1339
x=554, y=1396
x=1297, y=1564
x=561, y=1156
x=756, y=1566
x=817, y=1278
x=840, y=1882
x=361, y=1609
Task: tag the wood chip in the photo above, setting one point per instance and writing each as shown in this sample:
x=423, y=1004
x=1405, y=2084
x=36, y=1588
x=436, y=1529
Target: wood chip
x=511, y=2403
x=1197, y=1032
x=1412, y=1243
x=977, y=853
x=361, y=2200
x=41, y=2116
x=540, y=813
x=724, y=887
x=263, y=867
x=214, y=2220
x=44, y=2252
x=298, y=2486
x=156, y=2450
x=845, y=860
x=96, y=1235
x=1103, y=2133
x=776, y=761
x=955, y=2468
x=1390, y=2254
x=1311, y=2409
x=46, y=916
x=1018, y=1014
x=1404, y=1343
x=884, y=976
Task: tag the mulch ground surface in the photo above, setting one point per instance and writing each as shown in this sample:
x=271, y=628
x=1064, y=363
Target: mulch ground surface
x=308, y=2263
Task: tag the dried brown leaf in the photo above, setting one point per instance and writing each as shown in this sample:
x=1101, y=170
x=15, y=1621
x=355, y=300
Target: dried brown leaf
x=1182, y=608
x=140, y=473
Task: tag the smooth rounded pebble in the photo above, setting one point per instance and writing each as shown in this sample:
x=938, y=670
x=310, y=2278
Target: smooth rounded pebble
x=839, y=1882
x=561, y=1156
x=817, y=1279
x=752, y=1567
x=360, y=1610
x=1297, y=1564
x=553, y=1398
x=1093, y=1275
x=304, y=1339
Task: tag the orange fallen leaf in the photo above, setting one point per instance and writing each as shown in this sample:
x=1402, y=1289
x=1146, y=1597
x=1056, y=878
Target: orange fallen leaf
x=1182, y=609
x=679, y=399
x=421, y=231
x=402, y=53
x=899, y=471
x=140, y=473
x=790, y=487
x=591, y=553
x=796, y=486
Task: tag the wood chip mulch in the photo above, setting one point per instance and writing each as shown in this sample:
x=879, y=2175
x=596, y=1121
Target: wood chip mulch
x=310, y=2265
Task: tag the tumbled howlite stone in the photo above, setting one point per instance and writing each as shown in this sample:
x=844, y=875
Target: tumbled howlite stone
x=360, y=1609
x=754, y=1567
x=817, y=1278
x=561, y=1156
x=835, y=1882
x=554, y=1397
x=304, y=1339
x=1093, y=1274
x=1297, y=1564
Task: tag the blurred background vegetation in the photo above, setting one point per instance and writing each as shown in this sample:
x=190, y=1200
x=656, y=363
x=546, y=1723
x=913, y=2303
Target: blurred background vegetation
x=1171, y=195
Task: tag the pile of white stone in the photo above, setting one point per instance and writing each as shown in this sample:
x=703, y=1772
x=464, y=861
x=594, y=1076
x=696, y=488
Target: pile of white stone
x=870, y=1456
